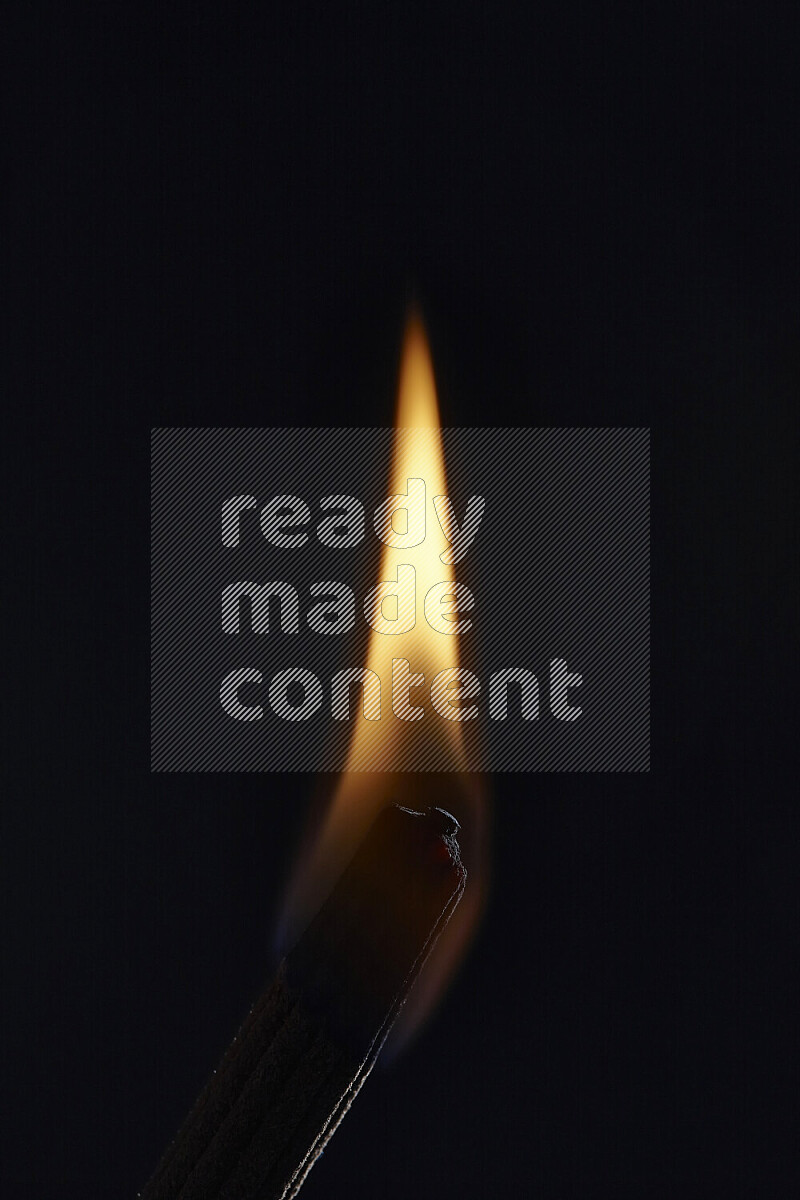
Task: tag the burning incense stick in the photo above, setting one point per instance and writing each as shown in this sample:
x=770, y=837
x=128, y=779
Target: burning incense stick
x=312, y=1038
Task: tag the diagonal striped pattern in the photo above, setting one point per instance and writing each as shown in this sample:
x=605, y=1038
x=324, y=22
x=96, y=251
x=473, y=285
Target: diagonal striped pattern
x=459, y=536
x=559, y=568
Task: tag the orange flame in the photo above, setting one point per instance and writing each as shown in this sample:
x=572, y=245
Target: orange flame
x=418, y=454
x=373, y=776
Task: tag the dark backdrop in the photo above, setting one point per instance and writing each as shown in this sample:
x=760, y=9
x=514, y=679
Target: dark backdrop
x=217, y=220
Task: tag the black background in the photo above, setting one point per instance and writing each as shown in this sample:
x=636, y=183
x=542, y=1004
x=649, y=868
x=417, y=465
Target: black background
x=217, y=220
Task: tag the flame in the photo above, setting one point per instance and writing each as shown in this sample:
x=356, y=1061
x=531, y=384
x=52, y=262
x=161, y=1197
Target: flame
x=385, y=745
x=418, y=454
